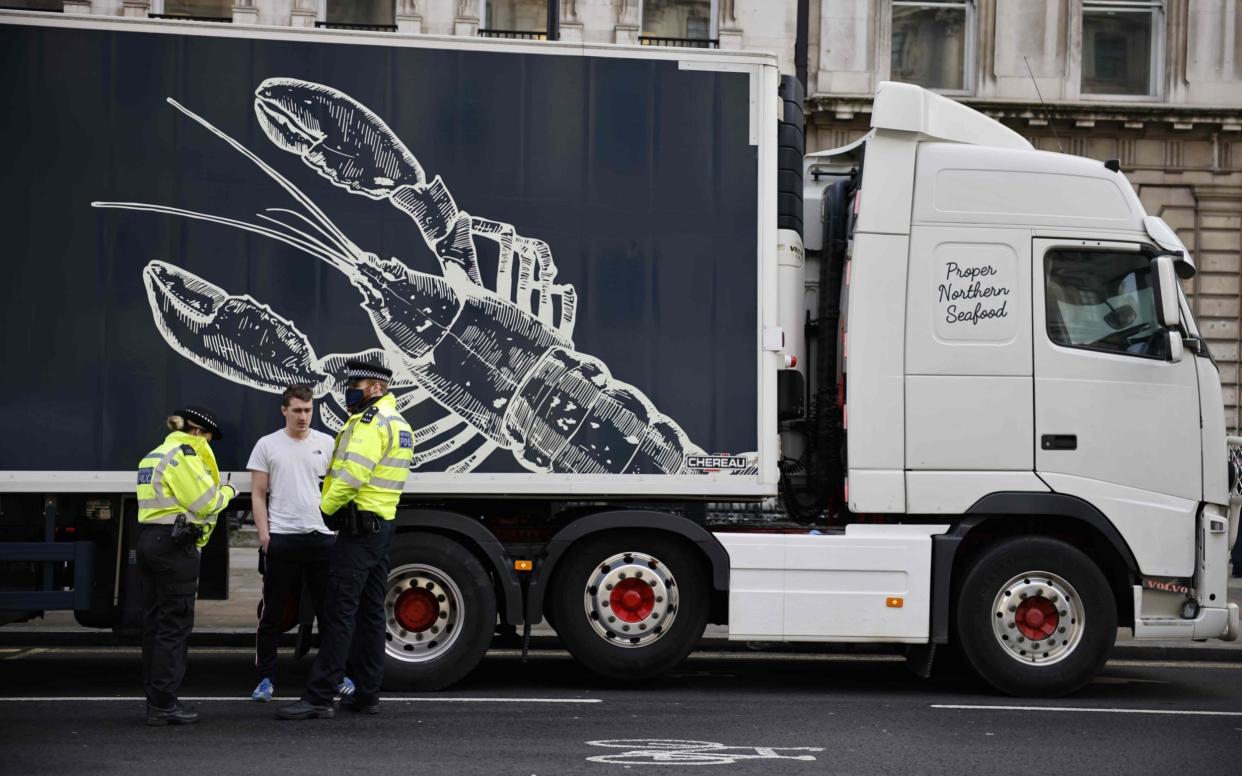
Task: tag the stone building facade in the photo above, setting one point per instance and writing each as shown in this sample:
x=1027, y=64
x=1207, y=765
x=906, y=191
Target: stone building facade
x=1156, y=84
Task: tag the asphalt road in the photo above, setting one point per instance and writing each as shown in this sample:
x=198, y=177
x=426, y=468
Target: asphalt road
x=719, y=713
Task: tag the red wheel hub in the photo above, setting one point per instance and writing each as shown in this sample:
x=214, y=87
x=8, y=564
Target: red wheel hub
x=631, y=600
x=416, y=609
x=1036, y=618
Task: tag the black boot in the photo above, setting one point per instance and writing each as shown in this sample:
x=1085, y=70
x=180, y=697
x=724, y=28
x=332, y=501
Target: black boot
x=360, y=706
x=176, y=715
x=305, y=710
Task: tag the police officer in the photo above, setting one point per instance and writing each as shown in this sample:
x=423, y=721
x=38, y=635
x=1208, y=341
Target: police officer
x=179, y=496
x=359, y=499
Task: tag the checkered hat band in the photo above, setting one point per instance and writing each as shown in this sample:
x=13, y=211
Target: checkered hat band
x=198, y=417
x=367, y=374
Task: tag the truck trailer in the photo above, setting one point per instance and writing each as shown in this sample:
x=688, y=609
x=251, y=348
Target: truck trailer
x=935, y=388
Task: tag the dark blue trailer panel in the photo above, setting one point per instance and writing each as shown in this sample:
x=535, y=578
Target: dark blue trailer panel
x=558, y=252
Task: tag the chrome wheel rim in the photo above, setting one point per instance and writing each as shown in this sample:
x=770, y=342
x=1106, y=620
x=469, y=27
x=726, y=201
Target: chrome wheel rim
x=630, y=599
x=1038, y=618
x=423, y=613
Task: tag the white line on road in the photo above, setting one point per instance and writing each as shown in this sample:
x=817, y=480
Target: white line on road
x=1172, y=664
x=25, y=653
x=213, y=699
x=1180, y=712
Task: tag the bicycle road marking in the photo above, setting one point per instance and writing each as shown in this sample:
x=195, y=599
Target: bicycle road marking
x=675, y=751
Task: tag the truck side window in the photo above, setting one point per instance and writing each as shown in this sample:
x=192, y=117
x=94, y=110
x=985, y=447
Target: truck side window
x=1099, y=300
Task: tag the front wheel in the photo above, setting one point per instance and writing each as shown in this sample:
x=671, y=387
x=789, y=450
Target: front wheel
x=439, y=610
x=1036, y=617
x=630, y=605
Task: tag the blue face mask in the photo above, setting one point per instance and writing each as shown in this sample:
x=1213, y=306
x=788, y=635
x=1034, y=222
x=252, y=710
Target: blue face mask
x=354, y=397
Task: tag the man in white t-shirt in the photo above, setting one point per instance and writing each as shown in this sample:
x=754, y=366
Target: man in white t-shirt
x=286, y=467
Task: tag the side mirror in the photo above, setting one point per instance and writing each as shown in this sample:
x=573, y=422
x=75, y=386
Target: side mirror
x=1176, y=346
x=1164, y=282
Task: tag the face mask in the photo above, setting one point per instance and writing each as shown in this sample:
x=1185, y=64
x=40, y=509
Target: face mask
x=354, y=397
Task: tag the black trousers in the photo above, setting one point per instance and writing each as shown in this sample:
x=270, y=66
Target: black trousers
x=290, y=559
x=351, y=629
x=169, y=582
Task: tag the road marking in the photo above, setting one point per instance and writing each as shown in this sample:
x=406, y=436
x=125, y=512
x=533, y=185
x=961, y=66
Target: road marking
x=673, y=751
x=231, y=698
x=1125, y=680
x=1173, y=664
x=1178, y=712
x=25, y=653
x=6, y=653
x=796, y=657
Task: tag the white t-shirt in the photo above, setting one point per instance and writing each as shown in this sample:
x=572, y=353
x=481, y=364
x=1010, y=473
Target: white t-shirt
x=294, y=468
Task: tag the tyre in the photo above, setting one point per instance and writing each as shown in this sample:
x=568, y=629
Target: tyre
x=630, y=605
x=440, y=613
x=789, y=159
x=1035, y=617
x=790, y=136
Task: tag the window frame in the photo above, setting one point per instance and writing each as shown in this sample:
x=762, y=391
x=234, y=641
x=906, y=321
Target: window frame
x=483, y=23
x=1158, y=9
x=972, y=41
x=158, y=7
x=713, y=27
x=1144, y=251
x=321, y=13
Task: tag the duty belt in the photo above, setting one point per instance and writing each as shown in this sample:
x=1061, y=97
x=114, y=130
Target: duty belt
x=164, y=520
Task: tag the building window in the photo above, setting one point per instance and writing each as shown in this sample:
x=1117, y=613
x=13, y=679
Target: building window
x=35, y=5
x=378, y=15
x=203, y=10
x=932, y=44
x=526, y=19
x=1120, y=46
x=678, y=23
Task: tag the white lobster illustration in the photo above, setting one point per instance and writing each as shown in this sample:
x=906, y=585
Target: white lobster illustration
x=501, y=362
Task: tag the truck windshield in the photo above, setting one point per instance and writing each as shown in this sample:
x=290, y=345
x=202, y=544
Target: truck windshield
x=1104, y=301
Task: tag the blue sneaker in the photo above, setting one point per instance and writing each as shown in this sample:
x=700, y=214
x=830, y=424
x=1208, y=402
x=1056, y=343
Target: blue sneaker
x=263, y=693
x=346, y=688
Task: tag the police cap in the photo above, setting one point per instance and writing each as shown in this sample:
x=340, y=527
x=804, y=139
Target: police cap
x=365, y=370
x=201, y=417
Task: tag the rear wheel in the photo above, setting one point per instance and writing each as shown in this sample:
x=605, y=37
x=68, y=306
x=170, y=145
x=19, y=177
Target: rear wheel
x=440, y=613
x=1035, y=616
x=630, y=606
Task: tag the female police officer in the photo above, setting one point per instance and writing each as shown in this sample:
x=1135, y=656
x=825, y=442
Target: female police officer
x=179, y=496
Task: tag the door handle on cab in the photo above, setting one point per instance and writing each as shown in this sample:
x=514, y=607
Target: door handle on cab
x=1059, y=441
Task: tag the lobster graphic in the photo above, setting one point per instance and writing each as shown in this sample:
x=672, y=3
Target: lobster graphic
x=500, y=361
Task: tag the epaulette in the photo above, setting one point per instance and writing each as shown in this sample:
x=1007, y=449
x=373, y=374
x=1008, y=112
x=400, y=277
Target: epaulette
x=369, y=415
x=187, y=450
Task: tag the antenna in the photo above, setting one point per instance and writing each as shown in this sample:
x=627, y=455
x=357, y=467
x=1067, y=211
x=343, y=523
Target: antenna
x=1047, y=114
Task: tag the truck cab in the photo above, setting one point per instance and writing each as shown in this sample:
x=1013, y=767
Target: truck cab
x=1016, y=355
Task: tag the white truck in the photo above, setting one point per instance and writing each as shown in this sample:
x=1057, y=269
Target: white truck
x=994, y=426
x=1025, y=391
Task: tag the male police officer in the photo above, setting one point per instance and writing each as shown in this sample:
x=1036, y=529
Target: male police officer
x=179, y=495
x=360, y=494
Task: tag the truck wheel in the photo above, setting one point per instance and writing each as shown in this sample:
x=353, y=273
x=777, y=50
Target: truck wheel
x=630, y=606
x=440, y=611
x=1035, y=616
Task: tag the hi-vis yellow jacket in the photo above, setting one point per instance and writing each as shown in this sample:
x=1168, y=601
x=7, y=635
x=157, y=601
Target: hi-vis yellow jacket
x=371, y=461
x=180, y=477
